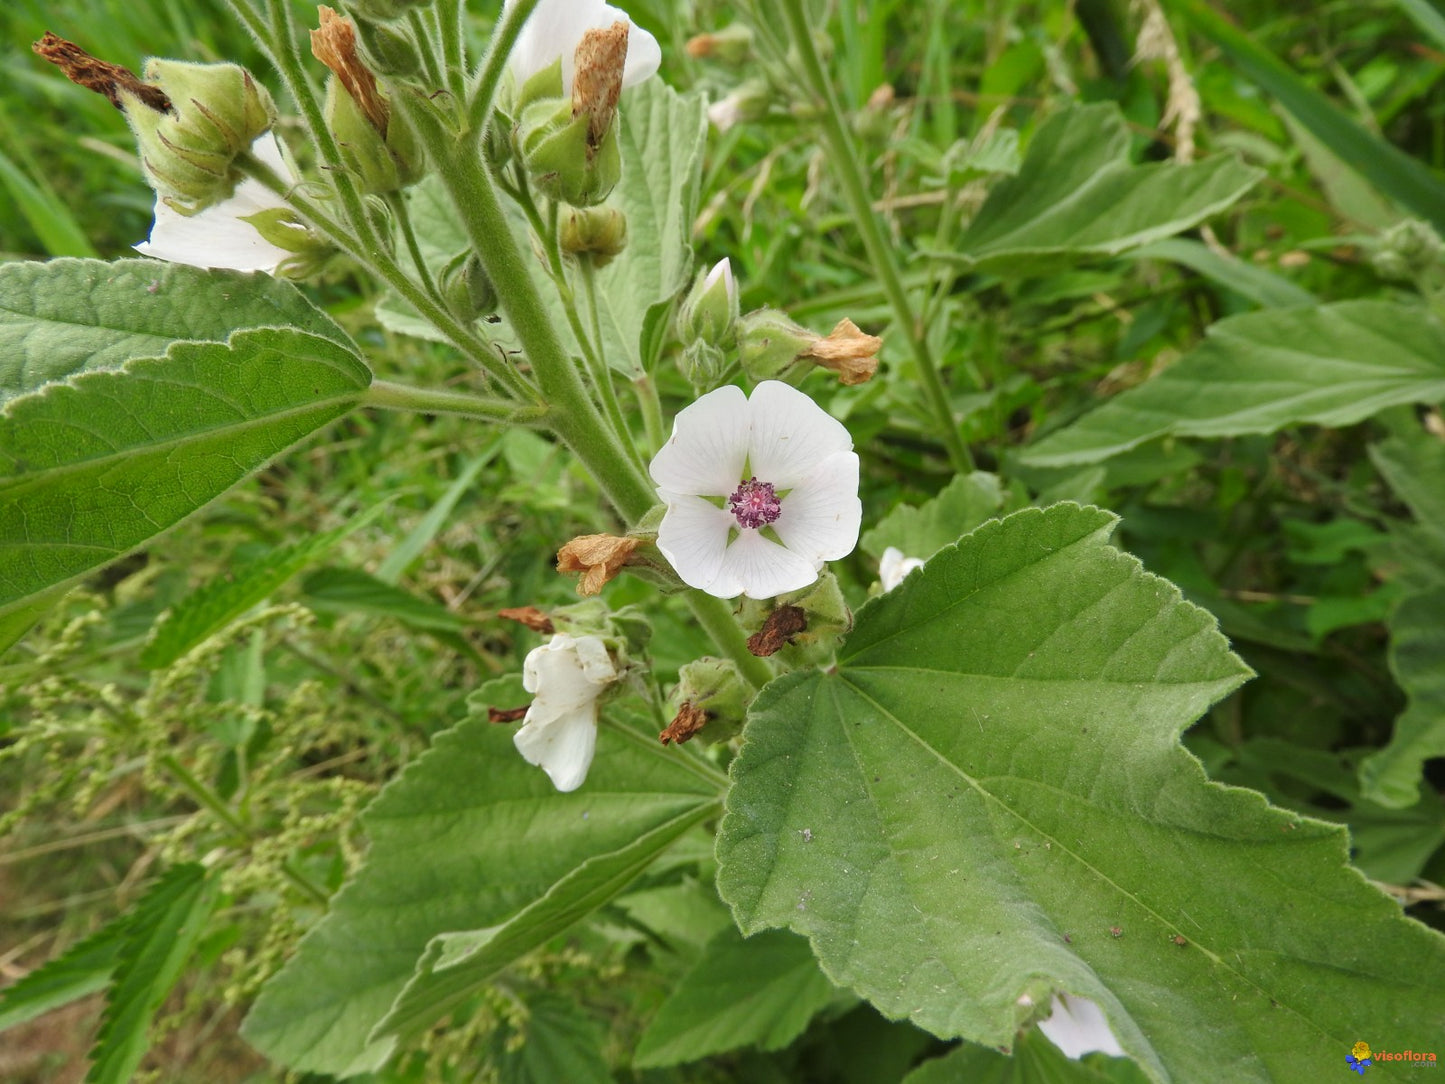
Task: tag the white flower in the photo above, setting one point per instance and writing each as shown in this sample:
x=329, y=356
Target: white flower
x=1077, y=1027
x=219, y=236
x=738, y=472
x=559, y=731
x=555, y=29
x=893, y=567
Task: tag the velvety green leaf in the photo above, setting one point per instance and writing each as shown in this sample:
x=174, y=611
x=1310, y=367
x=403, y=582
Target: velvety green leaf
x=1414, y=465
x=1333, y=365
x=987, y=801
x=661, y=138
x=73, y=316
x=1417, y=658
x=215, y=605
x=761, y=992
x=94, y=467
x=559, y=1044
x=1077, y=194
x=159, y=937
x=1398, y=175
x=80, y=970
x=1248, y=280
x=959, y=507
x=467, y=838
x=16, y=621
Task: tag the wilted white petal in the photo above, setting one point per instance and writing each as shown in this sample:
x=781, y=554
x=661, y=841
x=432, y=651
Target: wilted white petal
x=893, y=567
x=822, y=515
x=694, y=537
x=218, y=237
x=555, y=29
x=1077, y=1027
x=791, y=434
x=709, y=446
x=559, y=732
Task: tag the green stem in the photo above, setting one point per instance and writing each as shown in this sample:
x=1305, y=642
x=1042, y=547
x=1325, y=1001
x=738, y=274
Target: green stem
x=652, y=425
x=494, y=65
x=454, y=61
x=428, y=45
x=388, y=396
x=601, y=374
x=399, y=210
x=716, y=616
x=845, y=163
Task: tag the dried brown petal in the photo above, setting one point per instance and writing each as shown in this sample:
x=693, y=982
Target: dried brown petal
x=505, y=715
x=597, y=84
x=89, y=72
x=848, y=351
x=781, y=626
x=334, y=44
x=530, y=616
x=599, y=557
x=690, y=719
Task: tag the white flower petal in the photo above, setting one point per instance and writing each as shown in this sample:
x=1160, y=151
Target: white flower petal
x=561, y=745
x=1077, y=1027
x=694, y=538
x=791, y=434
x=708, y=447
x=893, y=567
x=760, y=568
x=217, y=237
x=822, y=515
x=555, y=29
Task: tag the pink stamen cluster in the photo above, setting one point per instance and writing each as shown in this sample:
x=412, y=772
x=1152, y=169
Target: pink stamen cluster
x=755, y=504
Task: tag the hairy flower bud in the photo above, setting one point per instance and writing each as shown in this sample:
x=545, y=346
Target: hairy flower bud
x=709, y=313
x=467, y=289
x=383, y=10
x=747, y=103
x=732, y=45
x=770, y=342
x=560, y=158
x=189, y=154
x=599, y=233
x=389, y=50
x=715, y=689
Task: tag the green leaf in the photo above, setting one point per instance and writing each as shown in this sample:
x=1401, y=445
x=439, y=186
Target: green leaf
x=97, y=466
x=159, y=937
x=661, y=137
x=990, y=784
x=468, y=837
x=457, y=965
x=16, y=622
x=79, y=971
x=1417, y=659
x=410, y=548
x=65, y=317
x=1255, y=373
x=1398, y=175
x=212, y=607
x=761, y=992
x=1257, y=284
x=1077, y=194
x=959, y=507
x=1426, y=17
x=350, y=590
x=560, y=1044
x=45, y=212
x=1033, y=1060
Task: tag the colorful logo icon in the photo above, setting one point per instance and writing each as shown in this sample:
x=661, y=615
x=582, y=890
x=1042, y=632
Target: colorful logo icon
x=1358, y=1059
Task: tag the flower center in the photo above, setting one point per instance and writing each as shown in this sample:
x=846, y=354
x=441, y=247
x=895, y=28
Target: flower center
x=755, y=503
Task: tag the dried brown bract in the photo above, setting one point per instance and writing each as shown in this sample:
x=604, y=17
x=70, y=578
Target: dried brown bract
x=848, y=351
x=530, y=616
x=599, y=557
x=690, y=719
x=597, y=84
x=781, y=626
x=95, y=74
x=334, y=44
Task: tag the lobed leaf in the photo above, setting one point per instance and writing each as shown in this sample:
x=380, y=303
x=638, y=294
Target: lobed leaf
x=987, y=803
x=79, y=971
x=1255, y=373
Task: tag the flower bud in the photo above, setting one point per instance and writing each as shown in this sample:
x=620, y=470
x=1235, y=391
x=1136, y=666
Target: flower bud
x=598, y=233
x=467, y=289
x=1407, y=250
x=376, y=146
x=732, y=45
x=770, y=342
x=189, y=153
x=715, y=688
x=703, y=364
x=389, y=50
x=561, y=161
x=709, y=313
x=382, y=10
x=748, y=102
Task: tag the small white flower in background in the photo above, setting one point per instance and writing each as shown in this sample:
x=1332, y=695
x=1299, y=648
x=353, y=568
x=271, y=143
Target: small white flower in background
x=893, y=567
x=219, y=236
x=1077, y=1027
x=739, y=472
x=555, y=29
x=559, y=731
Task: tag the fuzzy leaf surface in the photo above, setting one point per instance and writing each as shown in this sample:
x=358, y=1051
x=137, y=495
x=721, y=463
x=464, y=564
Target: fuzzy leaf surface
x=991, y=783
x=1333, y=365
x=71, y=316
x=1077, y=194
x=95, y=467
x=467, y=838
